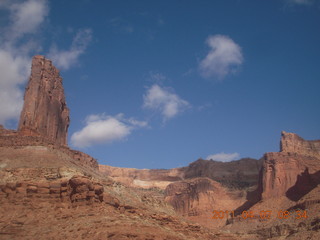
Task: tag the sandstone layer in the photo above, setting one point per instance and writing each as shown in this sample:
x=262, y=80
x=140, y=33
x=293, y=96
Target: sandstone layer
x=45, y=112
x=12, y=142
x=143, y=178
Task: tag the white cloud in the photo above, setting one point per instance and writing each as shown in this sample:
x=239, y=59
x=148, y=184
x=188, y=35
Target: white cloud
x=27, y=17
x=14, y=70
x=224, y=157
x=164, y=100
x=17, y=43
x=104, y=129
x=223, y=58
x=64, y=59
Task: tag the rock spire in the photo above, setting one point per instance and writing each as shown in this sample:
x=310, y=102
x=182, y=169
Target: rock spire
x=45, y=112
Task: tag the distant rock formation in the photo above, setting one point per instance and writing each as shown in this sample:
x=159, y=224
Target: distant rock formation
x=44, y=111
x=238, y=174
x=292, y=172
x=143, y=178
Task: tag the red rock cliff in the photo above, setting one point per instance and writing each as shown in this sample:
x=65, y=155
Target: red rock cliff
x=294, y=171
x=44, y=111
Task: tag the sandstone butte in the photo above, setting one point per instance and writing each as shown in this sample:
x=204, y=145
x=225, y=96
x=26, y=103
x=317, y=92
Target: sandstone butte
x=49, y=191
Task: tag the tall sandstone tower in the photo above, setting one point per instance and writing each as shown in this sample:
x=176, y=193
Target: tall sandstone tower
x=45, y=112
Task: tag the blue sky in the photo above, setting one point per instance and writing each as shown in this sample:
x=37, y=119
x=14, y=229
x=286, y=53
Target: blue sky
x=159, y=84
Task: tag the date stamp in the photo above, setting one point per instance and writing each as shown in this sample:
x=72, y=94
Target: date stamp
x=262, y=215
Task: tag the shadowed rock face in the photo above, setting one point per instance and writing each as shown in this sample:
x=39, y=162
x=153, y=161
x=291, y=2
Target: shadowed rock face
x=238, y=174
x=44, y=111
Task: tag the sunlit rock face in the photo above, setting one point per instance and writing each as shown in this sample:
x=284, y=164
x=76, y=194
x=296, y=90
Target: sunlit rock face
x=45, y=112
x=291, y=142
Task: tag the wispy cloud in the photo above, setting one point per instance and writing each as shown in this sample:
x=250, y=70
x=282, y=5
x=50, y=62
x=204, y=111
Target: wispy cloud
x=223, y=58
x=165, y=101
x=224, y=157
x=102, y=129
x=156, y=77
x=301, y=2
x=64, y=59
x=121, y=25
x=17, y=43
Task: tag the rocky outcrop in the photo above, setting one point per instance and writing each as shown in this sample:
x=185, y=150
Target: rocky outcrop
x=44, y=111
x=76, y=190
x=12, y=141
x=292, y=143
x=294, y=171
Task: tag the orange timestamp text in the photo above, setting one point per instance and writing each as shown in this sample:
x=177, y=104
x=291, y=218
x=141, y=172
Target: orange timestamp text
x=263, y=214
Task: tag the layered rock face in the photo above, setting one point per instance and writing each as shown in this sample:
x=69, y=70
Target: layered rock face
x=294, y=171
x=143, y=178
x=44, y=111
x=197, y=198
